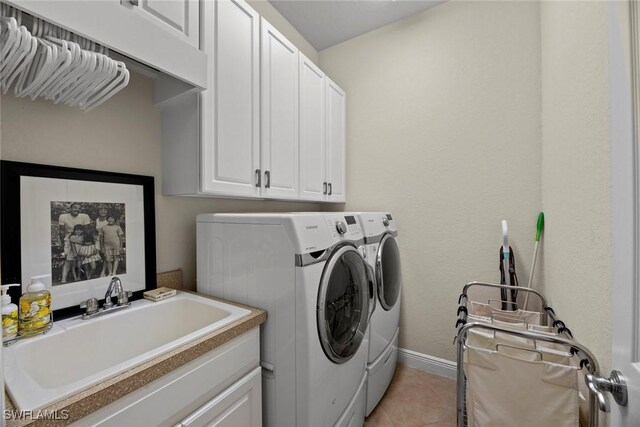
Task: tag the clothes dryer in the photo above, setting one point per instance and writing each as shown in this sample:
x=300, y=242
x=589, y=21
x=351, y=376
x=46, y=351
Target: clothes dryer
x=383, y=255
x=306, y=272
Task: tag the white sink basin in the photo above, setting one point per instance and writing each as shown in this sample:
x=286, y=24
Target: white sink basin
x=77, y=354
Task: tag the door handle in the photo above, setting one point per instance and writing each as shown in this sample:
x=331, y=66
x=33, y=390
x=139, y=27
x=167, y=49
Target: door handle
x=324, y=188
x=267, y=178
x=330, y=189
x=258, y=178
x=615, y=384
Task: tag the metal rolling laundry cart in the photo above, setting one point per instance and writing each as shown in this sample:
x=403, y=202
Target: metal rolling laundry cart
x=518, y=367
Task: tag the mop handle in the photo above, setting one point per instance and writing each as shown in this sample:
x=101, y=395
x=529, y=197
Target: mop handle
x=505, y=255
x=505, y=239
x=505, y=246
x=539, y=228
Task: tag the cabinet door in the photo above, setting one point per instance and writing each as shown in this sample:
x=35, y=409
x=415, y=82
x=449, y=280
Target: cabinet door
x=313, y=184
x=178, y=17
x=279, y=132
x=134, y=32
x=230, y=107
x=336, y=138
x=239, y=405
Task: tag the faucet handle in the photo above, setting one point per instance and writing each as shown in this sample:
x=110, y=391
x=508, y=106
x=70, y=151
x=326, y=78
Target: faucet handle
x=116, y=284
x=123, y=297
x=91, y=305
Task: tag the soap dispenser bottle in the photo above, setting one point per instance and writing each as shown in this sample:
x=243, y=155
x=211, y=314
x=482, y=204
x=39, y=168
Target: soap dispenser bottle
x=35, y=308
x=9, y=314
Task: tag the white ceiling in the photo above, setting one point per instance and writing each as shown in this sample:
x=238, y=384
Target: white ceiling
x=325, y=23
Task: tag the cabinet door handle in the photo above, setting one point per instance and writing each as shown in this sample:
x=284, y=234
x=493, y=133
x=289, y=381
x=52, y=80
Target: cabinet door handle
x=324, y=188
x=330, y=189
x=133, y=2
x=258, y=178
x=267, y=178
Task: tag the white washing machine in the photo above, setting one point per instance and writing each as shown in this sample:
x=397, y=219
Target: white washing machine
x=306, y=272
x=383, y=255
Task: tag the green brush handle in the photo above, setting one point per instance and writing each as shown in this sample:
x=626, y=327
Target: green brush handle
x=540, y=226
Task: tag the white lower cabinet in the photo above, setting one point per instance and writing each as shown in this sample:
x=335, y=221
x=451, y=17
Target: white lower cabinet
x=220, y=388
x=239, y=405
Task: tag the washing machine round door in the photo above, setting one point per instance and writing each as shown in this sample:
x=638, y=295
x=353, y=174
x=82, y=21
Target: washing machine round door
x=388, y=276
x=344, y=300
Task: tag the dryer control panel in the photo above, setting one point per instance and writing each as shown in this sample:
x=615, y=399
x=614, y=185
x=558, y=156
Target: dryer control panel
x=344, y=227
x=375, y=224
x=388, y=222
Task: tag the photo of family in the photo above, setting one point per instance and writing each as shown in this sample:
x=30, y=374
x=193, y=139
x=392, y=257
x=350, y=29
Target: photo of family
x=87, y=241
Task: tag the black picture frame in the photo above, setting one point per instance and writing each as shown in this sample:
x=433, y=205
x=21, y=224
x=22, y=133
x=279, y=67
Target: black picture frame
x=10, y=220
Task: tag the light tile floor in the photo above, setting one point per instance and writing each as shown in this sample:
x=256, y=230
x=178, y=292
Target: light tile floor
x=414, y=399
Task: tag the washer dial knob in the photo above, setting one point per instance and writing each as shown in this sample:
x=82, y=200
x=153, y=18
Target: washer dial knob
x=385, y=222
x=341, y=227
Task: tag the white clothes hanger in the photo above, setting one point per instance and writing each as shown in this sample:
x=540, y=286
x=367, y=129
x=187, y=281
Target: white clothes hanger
x=116, y=86
x=103, y=72
x=37, y=70
x=94, y=67
x=13, y=36
x=10, y=12
x=21, y=58
x=109, y=75
x=86, y=63
x=56, y=64
x=64, y=62
x=106, y=88
x=74, y=69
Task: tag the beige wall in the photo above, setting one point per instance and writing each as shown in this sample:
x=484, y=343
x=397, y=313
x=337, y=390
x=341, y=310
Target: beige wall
x=443, y=114
x=458, y=117
x=123, y=135
x=575, y=169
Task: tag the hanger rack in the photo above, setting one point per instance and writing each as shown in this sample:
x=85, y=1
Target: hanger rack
x=41, y=60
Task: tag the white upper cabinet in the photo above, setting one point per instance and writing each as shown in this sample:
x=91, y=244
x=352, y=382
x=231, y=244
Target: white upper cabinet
x=163, y=34
x=336, y=138
x=322, y=136
x=313, y=182
x=279, y=113
x=230, y=113
x=270, y=125
x=179, y=17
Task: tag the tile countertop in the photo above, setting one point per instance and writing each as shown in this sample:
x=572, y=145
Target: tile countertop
x=99, y=395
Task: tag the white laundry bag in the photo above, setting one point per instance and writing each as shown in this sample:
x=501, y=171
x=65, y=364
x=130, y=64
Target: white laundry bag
x=508, y=391
x=488, y=311
x=516, y=346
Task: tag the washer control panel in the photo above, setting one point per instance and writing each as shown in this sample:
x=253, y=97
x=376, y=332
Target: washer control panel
x=344, y=227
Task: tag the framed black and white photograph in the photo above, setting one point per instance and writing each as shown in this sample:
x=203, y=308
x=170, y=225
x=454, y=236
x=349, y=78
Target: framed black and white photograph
x=79, y=227
x=87, y=241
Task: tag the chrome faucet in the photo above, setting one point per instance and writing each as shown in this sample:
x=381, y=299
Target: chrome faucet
x=115, y=288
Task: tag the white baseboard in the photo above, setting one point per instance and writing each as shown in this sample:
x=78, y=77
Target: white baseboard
x=424, y=362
